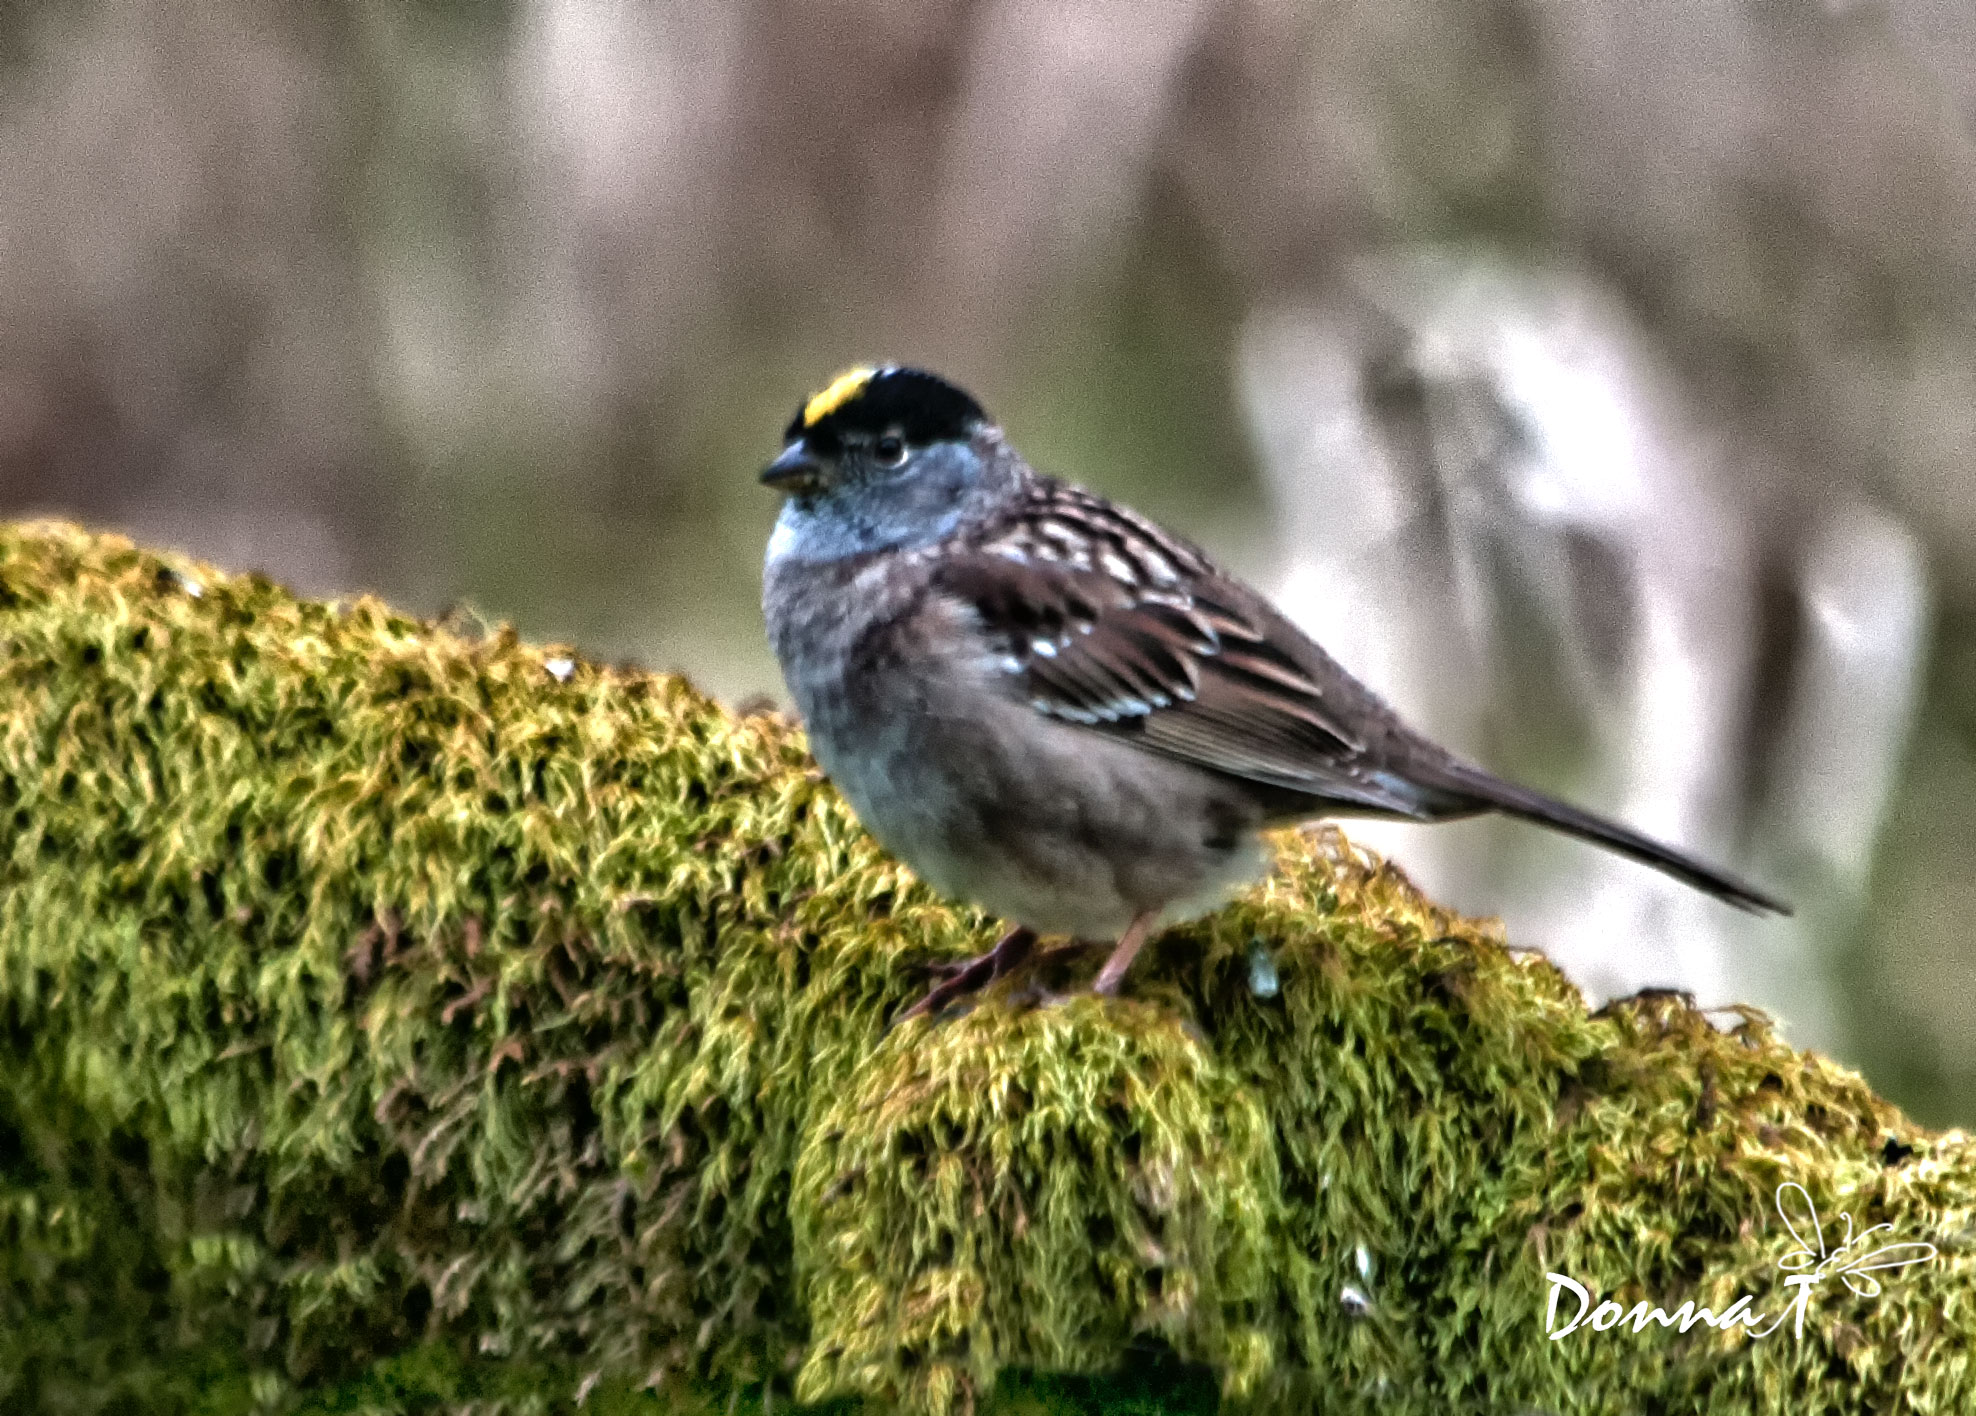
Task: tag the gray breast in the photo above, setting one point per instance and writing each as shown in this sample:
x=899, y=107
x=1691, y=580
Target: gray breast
x=1040, y=821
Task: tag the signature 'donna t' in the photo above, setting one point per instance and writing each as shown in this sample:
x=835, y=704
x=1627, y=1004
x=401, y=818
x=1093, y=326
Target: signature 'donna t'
x=1046, y=704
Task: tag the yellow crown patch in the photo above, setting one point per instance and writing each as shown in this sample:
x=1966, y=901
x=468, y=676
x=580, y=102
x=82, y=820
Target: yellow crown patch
x=840, y=391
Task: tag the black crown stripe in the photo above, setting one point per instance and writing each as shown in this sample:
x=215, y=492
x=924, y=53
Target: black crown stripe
x=924, y=408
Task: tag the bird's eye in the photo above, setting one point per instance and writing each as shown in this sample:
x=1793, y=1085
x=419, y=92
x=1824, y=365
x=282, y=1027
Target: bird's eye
x=889, y=451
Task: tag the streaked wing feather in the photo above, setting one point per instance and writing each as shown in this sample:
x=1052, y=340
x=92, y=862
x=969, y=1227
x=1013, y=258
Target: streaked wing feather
x=1100, y=619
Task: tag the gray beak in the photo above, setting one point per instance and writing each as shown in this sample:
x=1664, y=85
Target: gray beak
x=796, y=470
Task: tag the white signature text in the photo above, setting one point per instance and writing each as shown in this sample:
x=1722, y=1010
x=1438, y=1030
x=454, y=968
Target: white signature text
x=1808, y=1266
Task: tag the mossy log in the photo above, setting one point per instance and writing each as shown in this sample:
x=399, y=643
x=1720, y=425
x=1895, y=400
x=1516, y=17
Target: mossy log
x=398, y=1018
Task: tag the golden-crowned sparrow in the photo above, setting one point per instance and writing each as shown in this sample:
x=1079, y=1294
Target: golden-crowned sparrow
x=1044, y=703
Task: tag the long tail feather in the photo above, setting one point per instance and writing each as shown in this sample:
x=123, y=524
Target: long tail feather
x=1512, y=800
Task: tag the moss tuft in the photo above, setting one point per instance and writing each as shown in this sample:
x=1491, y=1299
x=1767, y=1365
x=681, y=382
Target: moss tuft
x=396, y=1019
x=1053, y=1184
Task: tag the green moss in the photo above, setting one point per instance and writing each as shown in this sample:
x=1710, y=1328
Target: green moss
x=393, y=1021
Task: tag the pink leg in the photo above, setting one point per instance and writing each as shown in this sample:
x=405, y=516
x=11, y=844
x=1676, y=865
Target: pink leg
x=978, y=972
x=1123, y=953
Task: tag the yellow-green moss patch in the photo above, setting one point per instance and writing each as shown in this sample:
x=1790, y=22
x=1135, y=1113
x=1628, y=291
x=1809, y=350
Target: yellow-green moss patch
x=392, y=1020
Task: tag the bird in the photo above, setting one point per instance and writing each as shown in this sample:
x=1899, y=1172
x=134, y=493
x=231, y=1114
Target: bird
x=1048, y=705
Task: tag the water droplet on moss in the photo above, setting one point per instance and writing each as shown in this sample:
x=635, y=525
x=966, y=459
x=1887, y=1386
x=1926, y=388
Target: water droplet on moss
x=1264, y=981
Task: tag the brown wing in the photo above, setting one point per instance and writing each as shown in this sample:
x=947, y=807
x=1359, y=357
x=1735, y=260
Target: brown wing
x=1100, y=619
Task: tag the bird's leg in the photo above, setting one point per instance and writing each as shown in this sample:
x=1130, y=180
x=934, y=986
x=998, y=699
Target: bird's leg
x=978, y=972
x=1035, y=994
x=946, y=968
x=1123, y=953
x=1001, y=960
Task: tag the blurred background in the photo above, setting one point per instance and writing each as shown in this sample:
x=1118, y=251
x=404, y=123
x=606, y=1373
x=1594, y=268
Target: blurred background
x=1598, y=380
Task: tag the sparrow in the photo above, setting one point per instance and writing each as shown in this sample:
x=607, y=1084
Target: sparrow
x=1048, y=705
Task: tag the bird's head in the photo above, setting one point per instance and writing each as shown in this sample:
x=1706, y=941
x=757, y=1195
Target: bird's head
x=882, y=457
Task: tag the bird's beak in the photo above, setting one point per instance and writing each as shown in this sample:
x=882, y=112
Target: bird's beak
x=796, y=470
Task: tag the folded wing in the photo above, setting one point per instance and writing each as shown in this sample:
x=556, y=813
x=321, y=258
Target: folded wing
x=1099, y=619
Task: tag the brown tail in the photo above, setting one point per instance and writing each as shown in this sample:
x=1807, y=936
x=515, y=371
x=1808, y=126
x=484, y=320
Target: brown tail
x=1492, y=793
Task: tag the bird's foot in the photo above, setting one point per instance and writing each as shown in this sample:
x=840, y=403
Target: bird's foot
x=1038, y=994
x=1046, y=959
x=967, y=976
x=948, y=968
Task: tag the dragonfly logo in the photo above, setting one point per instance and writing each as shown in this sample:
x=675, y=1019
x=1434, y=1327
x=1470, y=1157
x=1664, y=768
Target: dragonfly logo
x=1809, y=1266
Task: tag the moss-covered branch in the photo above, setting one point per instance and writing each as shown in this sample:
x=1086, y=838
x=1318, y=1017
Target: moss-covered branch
x=391, y=1016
